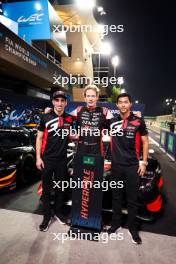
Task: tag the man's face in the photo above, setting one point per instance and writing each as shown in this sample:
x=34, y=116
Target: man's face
x=91, y=98
x=124, y=105
x=59, y=104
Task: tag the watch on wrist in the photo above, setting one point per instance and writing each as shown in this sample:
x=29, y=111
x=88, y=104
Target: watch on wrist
x=143, y=162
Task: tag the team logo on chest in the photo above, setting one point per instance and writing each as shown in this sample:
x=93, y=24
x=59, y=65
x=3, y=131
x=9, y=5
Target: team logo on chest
x=54, y=125
x=116, y=128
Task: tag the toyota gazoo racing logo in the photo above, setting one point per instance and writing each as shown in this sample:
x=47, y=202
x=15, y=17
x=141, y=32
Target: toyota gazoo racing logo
x=32, y=18
x=52, y=126
x=58, y=127
x=116, y=128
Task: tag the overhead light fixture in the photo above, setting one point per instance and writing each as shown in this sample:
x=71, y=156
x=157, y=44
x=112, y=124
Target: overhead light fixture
x=105, y=48
x=99, y=8
x=38, y=6
x=123, y=90
x=115, y=61
x=120, y=80
x=85, y=4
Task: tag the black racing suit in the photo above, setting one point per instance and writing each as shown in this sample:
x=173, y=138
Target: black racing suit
x=54, y=155
x=125, y=145
x=90, y=123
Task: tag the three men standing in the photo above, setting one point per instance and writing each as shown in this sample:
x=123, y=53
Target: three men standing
x=128, y=132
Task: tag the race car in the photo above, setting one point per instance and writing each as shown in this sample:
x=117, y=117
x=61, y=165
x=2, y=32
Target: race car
x=150, y=190
x=17, y=157
x=150, y=194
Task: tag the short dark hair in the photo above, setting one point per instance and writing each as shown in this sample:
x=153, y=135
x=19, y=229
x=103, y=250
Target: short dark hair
x=124, y=95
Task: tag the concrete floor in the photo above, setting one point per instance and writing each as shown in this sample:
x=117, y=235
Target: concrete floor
x=22, y=243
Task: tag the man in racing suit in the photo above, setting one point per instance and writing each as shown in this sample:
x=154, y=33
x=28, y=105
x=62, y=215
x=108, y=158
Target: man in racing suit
x=90, y=122
x=127, y=133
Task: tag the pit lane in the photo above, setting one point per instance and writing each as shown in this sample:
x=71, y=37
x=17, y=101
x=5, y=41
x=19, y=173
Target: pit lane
x=26, y=199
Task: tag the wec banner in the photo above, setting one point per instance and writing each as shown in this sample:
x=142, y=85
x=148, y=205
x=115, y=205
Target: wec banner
x=87, y=201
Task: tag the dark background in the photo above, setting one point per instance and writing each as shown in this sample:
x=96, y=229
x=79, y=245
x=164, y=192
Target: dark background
x=146, y=49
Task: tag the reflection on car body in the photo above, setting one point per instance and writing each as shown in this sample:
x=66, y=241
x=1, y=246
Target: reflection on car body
x=17, y=157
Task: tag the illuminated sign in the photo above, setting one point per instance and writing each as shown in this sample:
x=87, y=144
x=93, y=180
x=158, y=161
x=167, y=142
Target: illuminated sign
x=171, y=143
x=36, y=21
x=32, y=18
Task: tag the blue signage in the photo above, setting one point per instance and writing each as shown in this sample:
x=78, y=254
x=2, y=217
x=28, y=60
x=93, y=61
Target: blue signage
x=32, y=18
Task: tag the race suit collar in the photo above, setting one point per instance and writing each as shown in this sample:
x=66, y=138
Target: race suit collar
x=128, y=117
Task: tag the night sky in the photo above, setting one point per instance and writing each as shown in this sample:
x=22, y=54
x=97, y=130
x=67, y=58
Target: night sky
x=146, y=49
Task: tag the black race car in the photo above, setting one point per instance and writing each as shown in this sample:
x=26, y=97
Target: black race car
x=17, y=157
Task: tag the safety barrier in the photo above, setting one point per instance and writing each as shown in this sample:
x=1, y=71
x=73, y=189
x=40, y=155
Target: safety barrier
x=168, y=142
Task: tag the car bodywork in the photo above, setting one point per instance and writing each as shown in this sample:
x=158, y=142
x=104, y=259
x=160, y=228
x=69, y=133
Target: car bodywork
x=17, y=157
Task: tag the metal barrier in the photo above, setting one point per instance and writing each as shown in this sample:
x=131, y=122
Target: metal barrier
x=168, y=142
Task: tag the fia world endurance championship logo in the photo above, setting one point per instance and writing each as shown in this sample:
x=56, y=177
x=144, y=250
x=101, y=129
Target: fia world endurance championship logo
x=32, y=19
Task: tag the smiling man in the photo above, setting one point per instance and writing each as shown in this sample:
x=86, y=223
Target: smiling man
x=128, y=132
x=51, y=155
x=90, y=119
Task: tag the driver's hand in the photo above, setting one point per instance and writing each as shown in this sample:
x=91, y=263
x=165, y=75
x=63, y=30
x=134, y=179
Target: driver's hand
x=47, y=110
x=141, y=170
x=40, y=164
x=137, y=113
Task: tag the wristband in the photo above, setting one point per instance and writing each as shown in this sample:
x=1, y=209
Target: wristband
x=142, y=162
